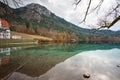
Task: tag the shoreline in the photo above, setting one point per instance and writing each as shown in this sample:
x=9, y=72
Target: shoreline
x=4, y=42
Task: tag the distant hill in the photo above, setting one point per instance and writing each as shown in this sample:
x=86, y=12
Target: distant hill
x=36, y=19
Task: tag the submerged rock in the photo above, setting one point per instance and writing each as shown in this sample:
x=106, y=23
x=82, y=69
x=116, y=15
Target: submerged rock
x=118, y=65
x=86, y=75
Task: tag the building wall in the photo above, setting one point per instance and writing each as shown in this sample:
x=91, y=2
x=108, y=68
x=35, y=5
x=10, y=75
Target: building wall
x=1, y=35
x=7, y=34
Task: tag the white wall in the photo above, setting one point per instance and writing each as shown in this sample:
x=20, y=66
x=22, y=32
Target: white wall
x=7, y=34
x=1, y=35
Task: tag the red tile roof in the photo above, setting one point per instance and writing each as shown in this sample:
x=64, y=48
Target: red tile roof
x=5, y=23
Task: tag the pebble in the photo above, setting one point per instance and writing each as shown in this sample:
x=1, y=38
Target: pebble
x=86, y=75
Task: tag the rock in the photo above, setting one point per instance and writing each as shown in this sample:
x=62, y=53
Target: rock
x=86, y=75
x=118, y=65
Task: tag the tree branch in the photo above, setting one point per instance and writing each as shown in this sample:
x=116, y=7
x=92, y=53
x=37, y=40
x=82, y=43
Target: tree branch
x=86, y=13
x=15, y=2
x=114, y=21
x=111, y=24
x=97, y=7
x=78, y=2
x=114, y=9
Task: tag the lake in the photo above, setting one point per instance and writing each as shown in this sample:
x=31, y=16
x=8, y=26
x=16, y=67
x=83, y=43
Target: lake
x=64, y=61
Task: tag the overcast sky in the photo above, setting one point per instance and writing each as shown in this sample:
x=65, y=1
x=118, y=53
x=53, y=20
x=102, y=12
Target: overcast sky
x=66, y=9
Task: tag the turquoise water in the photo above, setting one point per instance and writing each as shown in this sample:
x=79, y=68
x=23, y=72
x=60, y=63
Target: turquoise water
x=58, y=61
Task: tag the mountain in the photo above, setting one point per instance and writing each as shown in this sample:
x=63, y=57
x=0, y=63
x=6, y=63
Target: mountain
x=36, y=19
x=44, y=22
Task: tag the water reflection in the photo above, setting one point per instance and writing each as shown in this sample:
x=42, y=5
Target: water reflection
x=5, y=51
x=101, y=64
x=5, y=54
x=5, y=60
x=41, y=58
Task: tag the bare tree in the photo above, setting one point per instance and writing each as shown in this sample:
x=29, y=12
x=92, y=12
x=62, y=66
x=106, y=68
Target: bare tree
x=15, y=2
x=113, y=13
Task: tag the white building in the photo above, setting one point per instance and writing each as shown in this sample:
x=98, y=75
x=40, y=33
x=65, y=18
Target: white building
x=16, y=37
x=4, y=29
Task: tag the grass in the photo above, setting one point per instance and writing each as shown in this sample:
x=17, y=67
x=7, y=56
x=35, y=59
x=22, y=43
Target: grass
x=15, y=40
x=28, y=36
x=26, y=39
